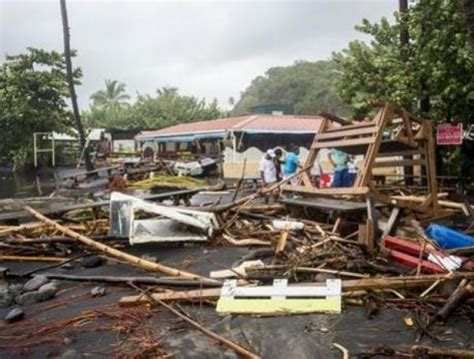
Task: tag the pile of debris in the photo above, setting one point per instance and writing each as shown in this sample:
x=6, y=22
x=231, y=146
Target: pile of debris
x=318, y=254
x=299, y=265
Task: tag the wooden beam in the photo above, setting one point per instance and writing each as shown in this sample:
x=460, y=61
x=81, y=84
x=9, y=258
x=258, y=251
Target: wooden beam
x=328, y=191
x=355, y=125
x=401, y=153
x=344, y=143
x=399, y=163
x=345, y=133
x=391, y=221
x=335, y=118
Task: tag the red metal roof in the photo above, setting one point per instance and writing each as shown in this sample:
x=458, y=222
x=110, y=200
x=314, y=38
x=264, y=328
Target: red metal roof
x=251, y=123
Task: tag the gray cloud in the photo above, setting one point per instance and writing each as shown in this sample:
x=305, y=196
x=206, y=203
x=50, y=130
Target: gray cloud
x=208, y=49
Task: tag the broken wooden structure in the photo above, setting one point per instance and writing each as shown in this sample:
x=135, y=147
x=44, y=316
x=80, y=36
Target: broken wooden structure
x=393, y=138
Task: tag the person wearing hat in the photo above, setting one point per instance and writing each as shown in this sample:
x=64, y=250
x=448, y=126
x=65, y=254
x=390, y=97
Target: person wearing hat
x=268, y=170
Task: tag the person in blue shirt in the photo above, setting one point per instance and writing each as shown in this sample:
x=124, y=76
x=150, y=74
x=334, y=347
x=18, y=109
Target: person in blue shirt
x=341, y=176
x=292, y=163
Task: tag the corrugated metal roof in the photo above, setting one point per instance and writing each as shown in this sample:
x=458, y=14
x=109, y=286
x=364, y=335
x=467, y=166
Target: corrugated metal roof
x=260, y=123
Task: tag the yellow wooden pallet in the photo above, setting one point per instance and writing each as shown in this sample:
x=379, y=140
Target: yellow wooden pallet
x=280, y=299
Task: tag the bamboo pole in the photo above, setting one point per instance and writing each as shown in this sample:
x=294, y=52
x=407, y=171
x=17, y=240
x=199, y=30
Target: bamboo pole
x=145, y=264
x=23, y=227
x=32, y=259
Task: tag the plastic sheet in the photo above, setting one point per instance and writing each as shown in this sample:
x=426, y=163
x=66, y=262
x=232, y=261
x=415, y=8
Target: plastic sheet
x=448, y=238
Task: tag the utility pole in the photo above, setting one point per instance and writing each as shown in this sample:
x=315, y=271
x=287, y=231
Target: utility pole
x=404, y=42
x=72, y=91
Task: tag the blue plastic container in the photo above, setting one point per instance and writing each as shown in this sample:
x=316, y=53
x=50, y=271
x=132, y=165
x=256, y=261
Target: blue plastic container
x=448, y=238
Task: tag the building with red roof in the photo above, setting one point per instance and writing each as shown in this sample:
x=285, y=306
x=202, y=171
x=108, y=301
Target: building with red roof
x=235, y=138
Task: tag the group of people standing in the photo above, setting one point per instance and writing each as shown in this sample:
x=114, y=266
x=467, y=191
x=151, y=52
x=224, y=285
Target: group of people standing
x=274, y=168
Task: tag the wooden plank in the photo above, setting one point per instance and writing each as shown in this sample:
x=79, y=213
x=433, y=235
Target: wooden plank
x=313, y=153
x=282, y=241
x=399, y=163
x=328, y=191
x=272, y=291
x=187, y=295
x=325, y=203
x=391, y=221
x=278, y=306
x=345, y=133
x=365, y=171
x=431, y=169
x=355, y=125
x=344, y=143
x=401, y=153
x=407, y=126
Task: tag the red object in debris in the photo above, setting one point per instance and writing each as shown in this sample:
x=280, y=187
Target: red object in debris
x=402, y=245
x=411, y=261
x=410, y=252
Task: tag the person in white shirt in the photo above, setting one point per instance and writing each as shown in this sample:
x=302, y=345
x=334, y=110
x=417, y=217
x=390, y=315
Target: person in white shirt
x=268, y=171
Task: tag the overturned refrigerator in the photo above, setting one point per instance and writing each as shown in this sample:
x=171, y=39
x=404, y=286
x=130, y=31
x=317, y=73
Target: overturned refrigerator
x=143, y=221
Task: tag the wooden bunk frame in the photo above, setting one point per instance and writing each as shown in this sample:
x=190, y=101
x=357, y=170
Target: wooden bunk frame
x=410, y=137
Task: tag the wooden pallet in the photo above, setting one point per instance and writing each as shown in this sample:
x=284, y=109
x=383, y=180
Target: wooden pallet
x=280, y=298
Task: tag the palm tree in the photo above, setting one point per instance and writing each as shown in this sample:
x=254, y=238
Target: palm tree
x=72, y=91
x=114, y=95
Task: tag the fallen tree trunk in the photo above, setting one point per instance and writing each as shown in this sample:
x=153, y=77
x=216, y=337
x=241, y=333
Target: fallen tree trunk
x=142, y=263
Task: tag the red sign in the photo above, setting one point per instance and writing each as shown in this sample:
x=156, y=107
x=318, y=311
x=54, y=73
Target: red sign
x=449, y=134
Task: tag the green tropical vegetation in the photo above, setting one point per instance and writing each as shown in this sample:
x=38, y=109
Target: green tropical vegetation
x=432, y=73
x=114, y=95
x=167, y=107
x=309, y=87
x=33, y=98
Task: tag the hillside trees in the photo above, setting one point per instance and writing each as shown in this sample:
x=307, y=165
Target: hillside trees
x=306, y=86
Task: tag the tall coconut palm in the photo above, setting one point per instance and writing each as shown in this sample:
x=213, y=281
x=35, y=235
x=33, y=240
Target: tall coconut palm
x=72, y=91
x=114, y=95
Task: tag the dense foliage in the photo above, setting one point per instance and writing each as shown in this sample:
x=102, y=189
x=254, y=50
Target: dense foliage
x=33, y=94
x=164, y=109
x=436, y=66
x=306, y=86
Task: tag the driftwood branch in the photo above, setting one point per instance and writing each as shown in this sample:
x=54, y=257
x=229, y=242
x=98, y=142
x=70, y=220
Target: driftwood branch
x=228, y=343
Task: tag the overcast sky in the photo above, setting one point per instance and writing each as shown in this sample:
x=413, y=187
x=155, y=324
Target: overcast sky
x=207, y=49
